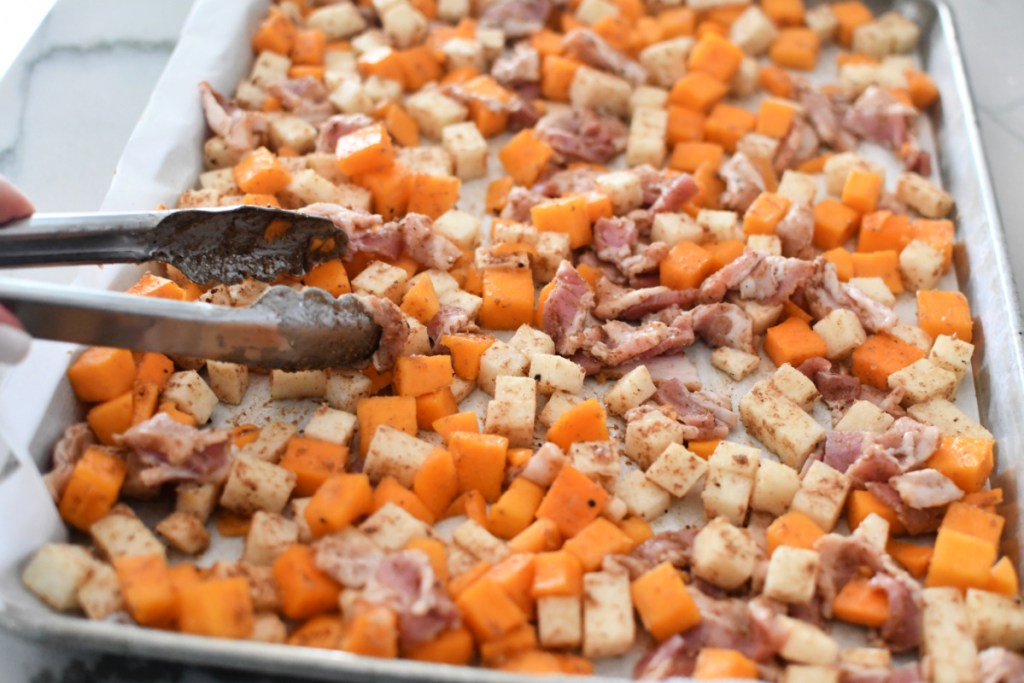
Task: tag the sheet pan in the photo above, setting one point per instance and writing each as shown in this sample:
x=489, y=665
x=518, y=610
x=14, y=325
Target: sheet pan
x=163, y=157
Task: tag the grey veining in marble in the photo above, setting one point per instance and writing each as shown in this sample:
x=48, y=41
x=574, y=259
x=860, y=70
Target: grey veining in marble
x=69, y=104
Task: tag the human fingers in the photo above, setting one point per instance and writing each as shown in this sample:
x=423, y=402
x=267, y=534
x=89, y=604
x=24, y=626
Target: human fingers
x=14, y=341
x=13, y=202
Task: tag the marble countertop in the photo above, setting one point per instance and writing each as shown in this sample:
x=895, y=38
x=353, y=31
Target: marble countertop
x=70, y=100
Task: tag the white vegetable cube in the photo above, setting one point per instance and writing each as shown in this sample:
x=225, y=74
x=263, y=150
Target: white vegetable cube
x=723, y=554
x=339, y=65
x=552, y=249
x=56, y=572
x=256, y=485
x=393, y=453
x=677, y=470
x=228, y=380
x=467, y=148
x=269, y=68
x=426, y=159
x=766, y=244
x=923, y=381
x=269, y=535
x=642, y=496
x=267, y=627
x=797, y=187
x=822, y=494
x=122, y=534
x=842, y=332
x=100, y=595
x=875, y=288
x=996, y=620
x=509, y=388
x=774, y=487
x=649, y=435
x=753, y=31
x=838, y=168
x=672, y=228
x=666, y=61
x=391, y=527
x=730, y=482
x=309, y=187
x=452, y=11
x=345, y=388
x=500, y=359
x=461, y=53
x=744, y=82
x=632, y=389
x=871, y=657
x=720, y=225
x=609, y=628
x=810, y=673
x=293, y=132
x=286, y=385
x=184, y=531
x=599, y=460
x=952, y=354
x=865, y=416
x=512, y=419
x=950, y=420
x=920, y=194
x=622, y=188
x=949, y=656
x=479, y=542
x=196, y=498
x=556, y=406
x=780, y=424
x=271, y=442
x=806, y=644
x=874, y=529
x=600, y=91
x=338, y=22
x=555, y=373
x=758, y=146
x=591, y=11
x=297, y=513
x=792, y=575
x=383, y=280
x=913, y=335
x=529, y=341
x=461, y=227
x=191, y=394
x=646, y=142
x=493, y=41
x=903, y=32
x=221, y=180
x=794, y=385
x=921, y=265
x=560, y=621
x=333, y=426
x=404, y=25
x=433, y=110
x=823, y=21
x=648, y=96
x=735, y=363
x=418, y=341
x=350, y=96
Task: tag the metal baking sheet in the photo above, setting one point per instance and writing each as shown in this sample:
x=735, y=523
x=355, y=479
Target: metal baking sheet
x=168, y=142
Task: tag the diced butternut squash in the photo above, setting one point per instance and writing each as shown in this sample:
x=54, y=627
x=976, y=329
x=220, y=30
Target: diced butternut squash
x=394, y=411
x=101, y=373
x=664, y=603
x=913, y=558
x=221, y=608
x=418, y=375
x=585, y=421
x=573, y=501
x=880, y=356
x=525, y=157
x=727, y=124
x=834, y=224
x=686, y=266
x=793, y=341
x=313, y=461
x=568, y=215
x=796, y=48
x=941, y=313
x=110, y=418
x=340, y=500
x=304, y=589
x=765, y=213
x=466, y=350
x=968, y=462
x=367, y=150
x=515, y=509
x=480, y=462
x=882, y=264
x=488, y=610
x=713, y=663
x=260, y=172
x=147, y=590
x=92, y=489
x=508, y=298
x=861, y=603
x=697, y=91
x=862, y=190
x=596, y=540
x=860, y=504
x=715, y=56
x=793, y=529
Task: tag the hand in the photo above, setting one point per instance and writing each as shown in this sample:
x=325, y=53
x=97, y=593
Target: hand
x=14, y=342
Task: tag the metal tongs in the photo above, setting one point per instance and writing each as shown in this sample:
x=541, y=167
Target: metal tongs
x=284, y=329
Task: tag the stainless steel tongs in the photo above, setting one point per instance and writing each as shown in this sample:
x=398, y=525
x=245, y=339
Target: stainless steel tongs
x=284, y=329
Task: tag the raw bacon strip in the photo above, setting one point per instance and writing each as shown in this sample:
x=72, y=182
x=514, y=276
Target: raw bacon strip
x=566, y=309
x=591, y=49
x=171, y=451
x=240, y=129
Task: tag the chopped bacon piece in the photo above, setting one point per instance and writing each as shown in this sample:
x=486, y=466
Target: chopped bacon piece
x=615, y=302
x=68, y=451
x=566, y=309
x=544, y=465
x=305, y=97
x=836, y=388
x=614, y=238
x=825, y=114
x=743, y=183
x=449, y=320
x=674, y=547
x=916, y=521
x=517, y=18
x=765, y=278
x=171, y=451
x=582, y=135
x=517, y=68
x=999, y=665
x=365, y=231
x=824, y=293
x=405, y=582
x=591, y=49
x=796, y=231
x=724, y=325
x=425, y=246
x=338, y=126
x=709, y=413
x=567, y=181
x=240, y=129
x=520, y=201
x=800, y=144
x=664, y=369
x=394, y=330
x=616, y=342
x=927, y=488
x=675, y=192
x=349, y=556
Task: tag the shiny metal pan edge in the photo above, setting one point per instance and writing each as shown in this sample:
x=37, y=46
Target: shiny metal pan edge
x=985, y=276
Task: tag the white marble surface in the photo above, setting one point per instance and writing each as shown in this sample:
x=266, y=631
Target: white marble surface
x=70, y=101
